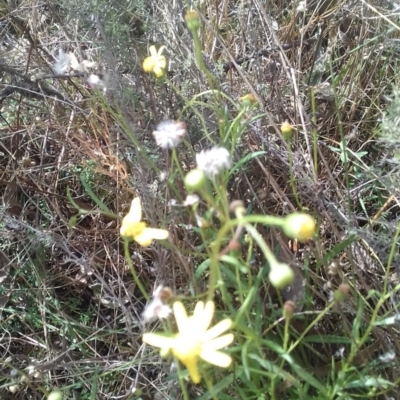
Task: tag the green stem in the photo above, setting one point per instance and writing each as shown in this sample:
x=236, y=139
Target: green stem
x=133, y=271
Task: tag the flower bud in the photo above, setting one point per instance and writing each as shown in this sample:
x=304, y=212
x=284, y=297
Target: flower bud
x=238, y=208
x=234, y=245
x=195, y=179
x=288, y=309
x=342, y=292
x=287, y=130
x=192, y=20
x=248, y=100
x=55, y=395
x=280, y=275
x=299, y=226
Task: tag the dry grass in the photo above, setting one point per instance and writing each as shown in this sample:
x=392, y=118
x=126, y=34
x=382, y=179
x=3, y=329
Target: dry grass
x=69, y=304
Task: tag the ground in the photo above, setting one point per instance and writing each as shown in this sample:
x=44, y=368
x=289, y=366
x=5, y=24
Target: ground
x=77, y=116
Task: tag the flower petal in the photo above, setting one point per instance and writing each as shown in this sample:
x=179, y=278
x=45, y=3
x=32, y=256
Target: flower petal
x=135, y=212
x=216, y=358
x=180, y=315
x=157, y=340
x=219, y=342
x=146, y=235
x=160, y=50
x=198, y=311
x=143, y=238
x=216, y=330
x=153, y=51
x=158, y=234
x=207, y=316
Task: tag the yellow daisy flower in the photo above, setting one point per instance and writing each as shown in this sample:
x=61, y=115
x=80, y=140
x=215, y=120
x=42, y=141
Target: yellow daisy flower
x=156, y=62
x=133, y=228
x=194, y=340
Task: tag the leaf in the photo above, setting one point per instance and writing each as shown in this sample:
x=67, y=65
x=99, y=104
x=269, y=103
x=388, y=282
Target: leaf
x=388, y=321
x=369, y=381
x=90, y=192
x=201, y=269
x=245, y=361
x=219, y=386
x=245, y=160
x=327, y=339
x=305, y=376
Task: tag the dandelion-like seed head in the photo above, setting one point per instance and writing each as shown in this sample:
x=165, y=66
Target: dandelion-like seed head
x=213, y=161
x=169, y=134
x=158, y=308
x=302, y=7
x=96, y=81
x=191, y=200
x=61, y=66
x=195, y=339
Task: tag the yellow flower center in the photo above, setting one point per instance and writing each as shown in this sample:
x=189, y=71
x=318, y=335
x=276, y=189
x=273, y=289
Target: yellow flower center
x=186, y=347
x=135, y=229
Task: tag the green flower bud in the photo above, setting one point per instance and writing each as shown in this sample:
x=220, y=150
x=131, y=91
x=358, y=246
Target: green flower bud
x=280, y=275
x=299, y=226
x=55, y=395
x=195, y=180
x=192, y=20
x=287, y=130
x=342, y=292
x=288, y=309
x=248, y=100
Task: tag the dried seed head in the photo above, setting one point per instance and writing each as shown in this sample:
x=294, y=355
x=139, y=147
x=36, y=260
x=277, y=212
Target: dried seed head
x=213, y=161
x=169, y=134
x=333, y=268
x=158, y=308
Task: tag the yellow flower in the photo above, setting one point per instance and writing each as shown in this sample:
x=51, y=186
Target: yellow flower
x=156, y=62
x=133, y=228
x=194, y=340
x=299, y=226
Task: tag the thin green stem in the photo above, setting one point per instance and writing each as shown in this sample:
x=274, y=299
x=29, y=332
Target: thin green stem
x=133, y=271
